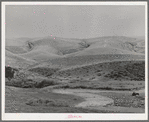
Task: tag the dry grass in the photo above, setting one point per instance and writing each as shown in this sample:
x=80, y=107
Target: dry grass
x=118, y=70
x=44, y=71
x=74, y=60
x=29, y=83
x=42, y=102
x=89, y=66
x=125, y=99
x=47, y=102
x=98, y=85
x=17, y=61
x=79, y=52
x=120, y=75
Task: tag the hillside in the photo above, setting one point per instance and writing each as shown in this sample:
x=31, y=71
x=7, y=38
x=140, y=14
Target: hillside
x=75, y=75
x=117, y=42
x=74, y=61
x=116, y=70
x=17, y=61
x=63, y=46
x=63, y=52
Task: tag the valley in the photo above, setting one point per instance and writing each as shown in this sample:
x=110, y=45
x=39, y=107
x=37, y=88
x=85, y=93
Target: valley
x=63, y=75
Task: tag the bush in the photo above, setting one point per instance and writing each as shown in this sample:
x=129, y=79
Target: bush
x=44, y=71
x=23, y=83
x=46, y=102
x=98, y=70
x=99, y=74
x=14, y=83
x=45, y=83
x=29, y=83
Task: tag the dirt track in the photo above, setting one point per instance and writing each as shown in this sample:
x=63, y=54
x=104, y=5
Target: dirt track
x=98, y=102
x=92, y=100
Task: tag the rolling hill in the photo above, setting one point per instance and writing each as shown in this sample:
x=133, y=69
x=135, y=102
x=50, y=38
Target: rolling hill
x=110, y=66
x=17, y=61
x=63, y=52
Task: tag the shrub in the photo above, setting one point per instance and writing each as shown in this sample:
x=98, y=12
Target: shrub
x=99, y=74
x=45, y=83
x=29, y=83
x=47, y=102
x=15, y=83
x=44, y=71
x=98, y=70
x=23, y=83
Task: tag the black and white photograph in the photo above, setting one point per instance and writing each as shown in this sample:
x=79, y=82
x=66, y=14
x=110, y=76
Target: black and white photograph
x=74, y=61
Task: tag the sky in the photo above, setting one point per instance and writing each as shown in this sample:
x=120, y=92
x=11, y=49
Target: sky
x=74, y=21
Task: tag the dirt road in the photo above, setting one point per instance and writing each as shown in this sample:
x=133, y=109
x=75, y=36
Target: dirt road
x=98, y=102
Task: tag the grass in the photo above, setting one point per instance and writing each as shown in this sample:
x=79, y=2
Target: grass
x=47, y=102
x=121, y=75
x=103, y=85
x=88, y=59
x=29, y=83
x=45, y=83
x=36, y=101
x=119, y=70
x=116, y=73
x=44, y=71
x=125, y=99
x=132, y=71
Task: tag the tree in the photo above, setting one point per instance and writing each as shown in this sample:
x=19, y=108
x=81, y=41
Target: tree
x=9, y=72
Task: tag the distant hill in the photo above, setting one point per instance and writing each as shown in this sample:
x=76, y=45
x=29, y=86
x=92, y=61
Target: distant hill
x=17, y=61
x=68, y=52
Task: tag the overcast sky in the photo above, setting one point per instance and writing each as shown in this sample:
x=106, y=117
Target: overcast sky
x=74, y=21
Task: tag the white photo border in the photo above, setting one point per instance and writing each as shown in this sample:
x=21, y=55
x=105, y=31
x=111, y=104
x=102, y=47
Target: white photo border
x=62, y=116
